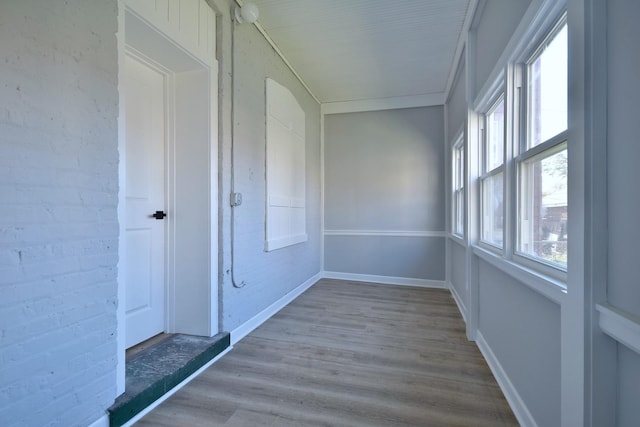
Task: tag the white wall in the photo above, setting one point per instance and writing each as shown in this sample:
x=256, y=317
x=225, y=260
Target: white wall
x=58, y=222
x=265, y=276
x=384, y=176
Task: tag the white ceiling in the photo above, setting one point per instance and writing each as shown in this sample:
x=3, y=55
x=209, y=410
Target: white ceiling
x=354, y=50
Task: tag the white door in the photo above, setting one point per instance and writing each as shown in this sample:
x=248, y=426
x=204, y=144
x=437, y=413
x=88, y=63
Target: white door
x=145, y=194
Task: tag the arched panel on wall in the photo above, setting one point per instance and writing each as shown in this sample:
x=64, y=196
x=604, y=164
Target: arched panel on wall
x=285, y=169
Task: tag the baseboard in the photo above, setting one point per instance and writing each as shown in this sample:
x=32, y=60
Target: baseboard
x=456, y=297
x=245, y=329
x=171, y=392
x=386, y=280
x=518, y=406
x=101, y=422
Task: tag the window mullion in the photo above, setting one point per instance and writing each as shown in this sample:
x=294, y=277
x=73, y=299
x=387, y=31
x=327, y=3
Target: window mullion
x=510, y=131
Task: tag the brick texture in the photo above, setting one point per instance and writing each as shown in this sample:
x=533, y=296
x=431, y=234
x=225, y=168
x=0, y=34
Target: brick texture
x=58, y=221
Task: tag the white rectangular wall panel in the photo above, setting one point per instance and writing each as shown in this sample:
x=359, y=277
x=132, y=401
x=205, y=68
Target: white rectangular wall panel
x=285, y=210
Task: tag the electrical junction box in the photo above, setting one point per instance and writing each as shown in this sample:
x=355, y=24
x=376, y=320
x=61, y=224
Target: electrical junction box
x=236, y=199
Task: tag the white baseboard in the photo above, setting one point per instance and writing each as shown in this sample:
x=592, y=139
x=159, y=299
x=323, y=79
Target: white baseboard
x=171, y=392
x=386, y=280
x=101, y=422
x=245, y=329
x=518, y=406
x=456, y=297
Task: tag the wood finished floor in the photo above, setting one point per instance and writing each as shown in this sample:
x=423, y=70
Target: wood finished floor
x=347, y=354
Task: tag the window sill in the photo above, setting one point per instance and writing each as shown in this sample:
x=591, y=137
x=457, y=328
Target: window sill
x=459, y=240
x=551, y=288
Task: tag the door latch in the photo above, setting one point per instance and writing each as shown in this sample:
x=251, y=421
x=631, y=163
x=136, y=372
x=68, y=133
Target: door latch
x=159, y=215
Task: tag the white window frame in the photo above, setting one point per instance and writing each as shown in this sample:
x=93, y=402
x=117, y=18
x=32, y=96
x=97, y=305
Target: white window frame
x=487, y=174
x=458, y=195
x=546, y=148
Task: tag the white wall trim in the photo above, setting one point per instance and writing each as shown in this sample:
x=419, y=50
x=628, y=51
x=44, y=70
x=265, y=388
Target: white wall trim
x=247, y=327
x=171, y=392
x=518, y=406
x=391, y=233
x=458, y=300
x=103, y=421
x=620, y=325
x=544, y=285
x=377, y=104
x=386, y=280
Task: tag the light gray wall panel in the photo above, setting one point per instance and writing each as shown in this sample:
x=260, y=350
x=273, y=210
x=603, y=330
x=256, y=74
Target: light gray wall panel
x=624, y=152
x=628, y=381
x=457, y=103
x=623, y=199
x=265, y=276
x=459, y=270
x=409, y=257
x=523, y=330
x=384, y=170
x=499, y=20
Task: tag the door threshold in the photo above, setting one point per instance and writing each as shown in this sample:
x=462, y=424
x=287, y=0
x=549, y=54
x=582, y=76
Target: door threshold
x=144, y=345
x=159, y=367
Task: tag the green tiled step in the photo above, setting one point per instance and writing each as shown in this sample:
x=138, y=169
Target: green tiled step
x=158, y=369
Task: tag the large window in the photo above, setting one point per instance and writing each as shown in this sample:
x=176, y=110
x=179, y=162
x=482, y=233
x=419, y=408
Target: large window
x=457, y=180
x=491, y=181
x=542, y=163
x=523, y=157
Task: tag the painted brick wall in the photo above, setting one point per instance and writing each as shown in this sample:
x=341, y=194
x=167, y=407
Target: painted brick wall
x=58, y=223
x=268, y=276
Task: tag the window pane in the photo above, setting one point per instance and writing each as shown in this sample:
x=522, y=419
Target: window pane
x=495, y=137
x=548, y=75
x=492, y=211
x=458, y=188
x=543, y=208
x=459, y=215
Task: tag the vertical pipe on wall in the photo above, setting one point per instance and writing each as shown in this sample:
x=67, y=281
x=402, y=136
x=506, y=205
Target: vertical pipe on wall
x=232, y=158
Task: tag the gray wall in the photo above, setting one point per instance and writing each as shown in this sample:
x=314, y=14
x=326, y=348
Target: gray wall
x=520, y=327
x=456, y=105
x=623, y=154
x=624, y=199
x=393, y=256
x=458, y=272
x=456, y=108
x=523, y=330
x=267, y=275
x=58, y=221
x=384, y=172
x=498, y=21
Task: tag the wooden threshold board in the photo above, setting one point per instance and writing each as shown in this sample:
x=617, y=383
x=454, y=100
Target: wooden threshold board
x=156, y=369
x=347, y=354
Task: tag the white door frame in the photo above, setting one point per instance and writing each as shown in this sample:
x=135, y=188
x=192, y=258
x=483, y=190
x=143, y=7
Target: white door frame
x=167, y=131
x=192, y=307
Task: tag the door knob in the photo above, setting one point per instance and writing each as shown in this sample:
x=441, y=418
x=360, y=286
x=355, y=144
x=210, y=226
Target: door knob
x=159, y=215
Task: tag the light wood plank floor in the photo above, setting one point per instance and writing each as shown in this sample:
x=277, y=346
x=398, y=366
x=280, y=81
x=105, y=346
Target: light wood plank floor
x=347, y=354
